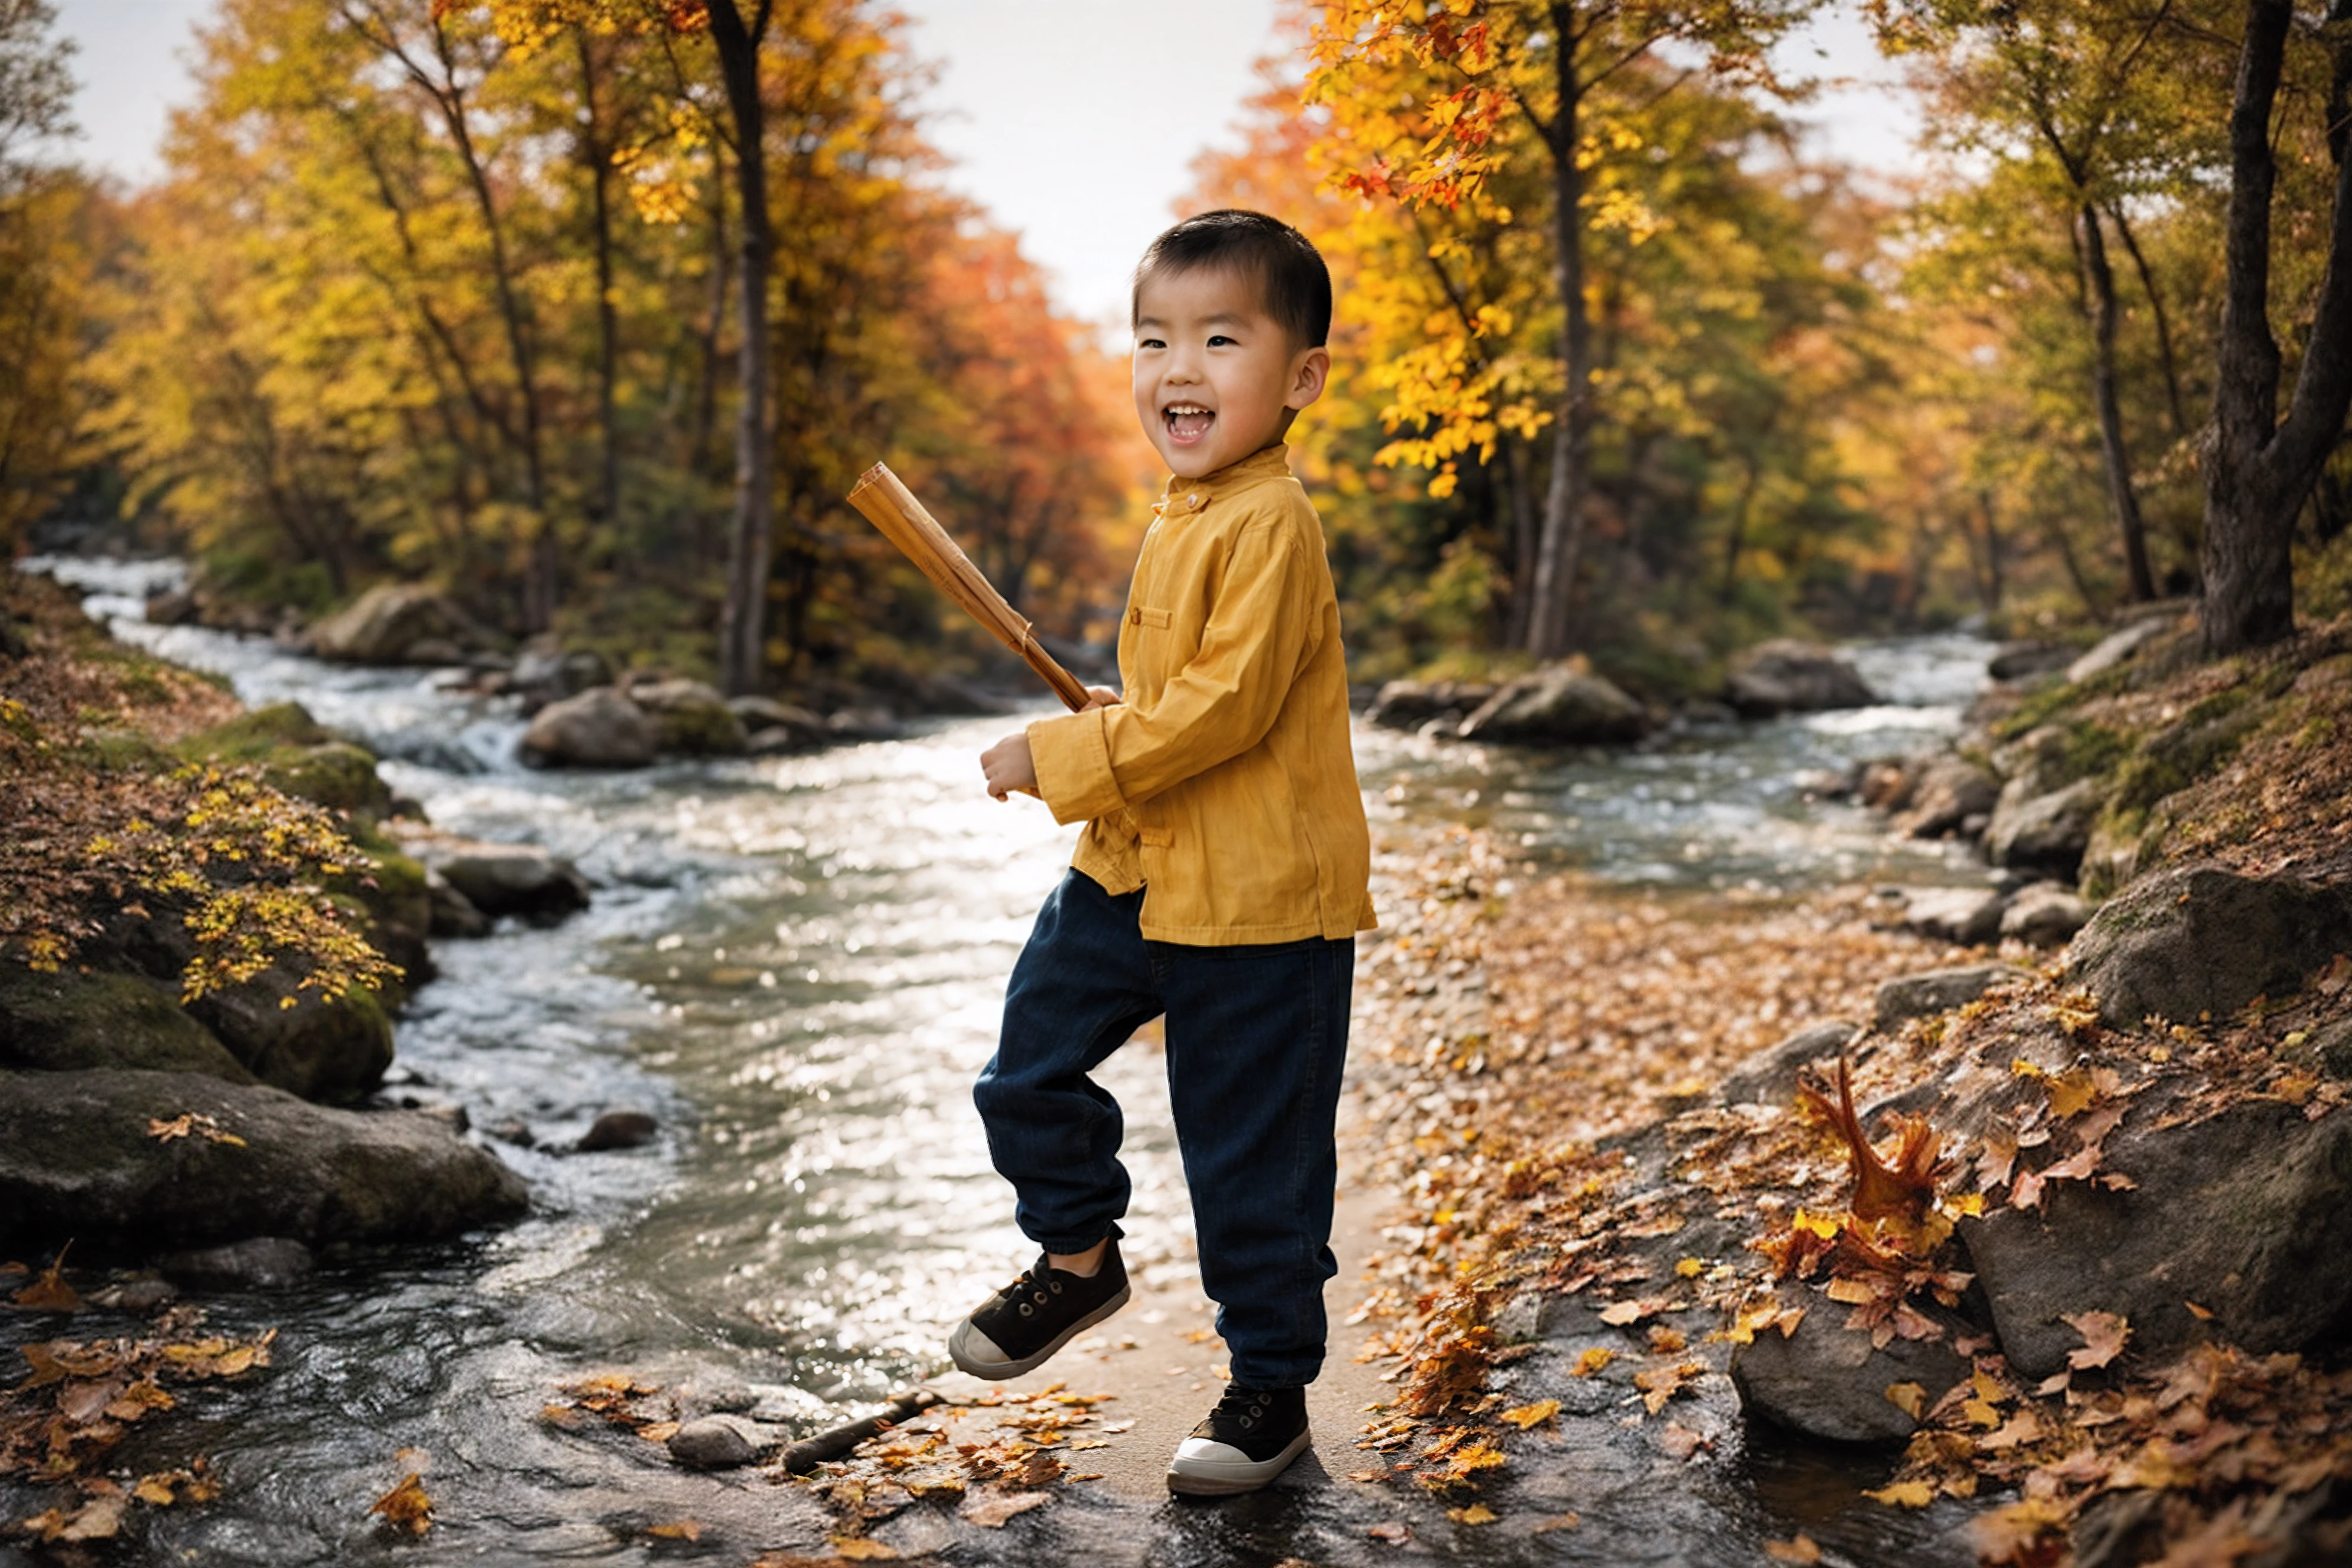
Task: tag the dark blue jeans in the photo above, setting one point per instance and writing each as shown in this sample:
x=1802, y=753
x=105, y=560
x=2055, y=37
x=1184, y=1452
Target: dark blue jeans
x=1257, y=1037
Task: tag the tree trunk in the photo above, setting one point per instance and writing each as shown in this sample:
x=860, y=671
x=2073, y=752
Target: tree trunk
x=1523, y=541
x=2259, y=467
x=597, y=153
x=1561, y=542
x=742, y=631
x=2121, y=494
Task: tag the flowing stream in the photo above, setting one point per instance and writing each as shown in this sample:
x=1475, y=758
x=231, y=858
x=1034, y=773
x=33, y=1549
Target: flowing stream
x=795, y=964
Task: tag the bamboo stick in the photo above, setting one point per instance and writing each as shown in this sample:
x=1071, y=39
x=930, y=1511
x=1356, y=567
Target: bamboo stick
x=892, y=508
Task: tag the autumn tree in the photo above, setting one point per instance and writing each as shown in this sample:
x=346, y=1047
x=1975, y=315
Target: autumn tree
x=1481, y=67
x=2261, y=463
x=2076, y=105
x=39, y=264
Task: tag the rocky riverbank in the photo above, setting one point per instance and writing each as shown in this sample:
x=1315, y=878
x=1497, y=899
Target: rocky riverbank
x=2086, y=1292
x=211, y=926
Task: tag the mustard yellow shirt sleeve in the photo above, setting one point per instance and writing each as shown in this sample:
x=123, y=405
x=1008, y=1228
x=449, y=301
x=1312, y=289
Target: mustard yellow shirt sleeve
x=1262, y=628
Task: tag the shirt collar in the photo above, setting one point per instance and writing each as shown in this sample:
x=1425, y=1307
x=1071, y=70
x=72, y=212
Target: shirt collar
x=1192, y=495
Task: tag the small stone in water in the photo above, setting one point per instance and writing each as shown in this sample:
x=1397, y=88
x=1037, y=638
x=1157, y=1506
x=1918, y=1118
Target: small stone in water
x=515, y=1131
x=716, y=1443
x=262, y=1263
x=619, y=1129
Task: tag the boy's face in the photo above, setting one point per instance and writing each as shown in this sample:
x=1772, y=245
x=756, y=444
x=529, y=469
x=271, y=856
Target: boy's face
x=1215, y=379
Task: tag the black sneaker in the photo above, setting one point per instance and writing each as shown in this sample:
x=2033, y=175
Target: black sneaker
x=1023, y=1325
x=1248, y=1439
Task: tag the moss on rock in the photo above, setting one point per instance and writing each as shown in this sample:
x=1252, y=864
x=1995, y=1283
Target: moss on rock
x=71, y=1021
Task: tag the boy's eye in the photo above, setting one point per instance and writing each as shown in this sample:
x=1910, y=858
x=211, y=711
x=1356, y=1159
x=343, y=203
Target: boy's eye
x=1217, y=338
x=1149, y=343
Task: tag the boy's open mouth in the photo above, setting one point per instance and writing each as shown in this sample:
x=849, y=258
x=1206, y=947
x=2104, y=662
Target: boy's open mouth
x=1187, y=422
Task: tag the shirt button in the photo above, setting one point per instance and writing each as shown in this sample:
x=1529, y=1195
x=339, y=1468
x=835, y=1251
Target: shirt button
x=1194, y=500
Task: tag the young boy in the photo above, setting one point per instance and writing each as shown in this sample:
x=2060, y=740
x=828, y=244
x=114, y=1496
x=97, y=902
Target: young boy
x=1222, y=876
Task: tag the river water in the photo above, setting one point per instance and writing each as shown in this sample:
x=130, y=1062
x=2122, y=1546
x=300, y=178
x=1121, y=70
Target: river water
x=795, y=964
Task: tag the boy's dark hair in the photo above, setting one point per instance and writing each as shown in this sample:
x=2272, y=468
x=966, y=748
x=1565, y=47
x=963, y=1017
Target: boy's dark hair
x=1283, y=262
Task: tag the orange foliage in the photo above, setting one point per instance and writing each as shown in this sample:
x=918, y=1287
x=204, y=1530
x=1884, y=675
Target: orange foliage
x=1900, y=1189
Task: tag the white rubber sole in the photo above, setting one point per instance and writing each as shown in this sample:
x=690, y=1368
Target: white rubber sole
x=1224, y=1478
x=966, y=1356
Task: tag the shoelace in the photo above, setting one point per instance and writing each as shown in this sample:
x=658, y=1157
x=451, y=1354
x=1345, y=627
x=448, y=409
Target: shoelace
x=1240, y=1406
x=1034, y=1287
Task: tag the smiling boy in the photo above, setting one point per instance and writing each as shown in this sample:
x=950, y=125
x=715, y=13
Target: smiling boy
x=1222, y=876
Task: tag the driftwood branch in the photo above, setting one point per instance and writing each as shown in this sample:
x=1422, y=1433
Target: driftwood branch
x=810, y=1452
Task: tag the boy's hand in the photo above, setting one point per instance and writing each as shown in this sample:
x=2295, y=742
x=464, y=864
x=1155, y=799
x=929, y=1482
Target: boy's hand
x=1100, y=696
x=1009, y=766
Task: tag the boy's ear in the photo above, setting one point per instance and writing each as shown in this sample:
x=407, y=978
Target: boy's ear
x=1309, y=372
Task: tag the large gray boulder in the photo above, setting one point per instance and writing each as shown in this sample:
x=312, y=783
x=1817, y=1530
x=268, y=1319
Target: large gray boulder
x=1784, y=676
x=494, y=879
x=2119, y=647
x=399, y=623
x=1951, y=795
x=2044, y=832
x=2247, y=1214
x=319, y=1047
x=597, y=729
x=1558, y=705
x=77, y=1159
x=1933, y=991
x=1826, y=1380
x=1768, y=1077
x=1410, y=704
x=2198, y=941
x=69, y=1021
x=691, y=717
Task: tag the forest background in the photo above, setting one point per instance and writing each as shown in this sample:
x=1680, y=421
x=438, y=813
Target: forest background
x=457, y=292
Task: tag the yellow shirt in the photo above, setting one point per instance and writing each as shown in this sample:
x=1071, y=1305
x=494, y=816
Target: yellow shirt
x=1225, y=784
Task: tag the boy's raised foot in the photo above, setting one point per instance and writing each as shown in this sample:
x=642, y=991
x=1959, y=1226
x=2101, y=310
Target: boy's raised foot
x=1021, y=1327
x=1248, y=1440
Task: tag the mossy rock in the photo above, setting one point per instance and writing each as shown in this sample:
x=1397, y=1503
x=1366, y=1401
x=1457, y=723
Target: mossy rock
x=337, y=775
x=329, y=1049
x=125, y=751
x=697, y=731
x=253, y=737
x=70, y=1022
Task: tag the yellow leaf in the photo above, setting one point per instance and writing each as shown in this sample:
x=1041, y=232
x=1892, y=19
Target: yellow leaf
x=1690, y=1268
x=863, y=1549
x=677, y=1530
x=1904, y=1494
x=1592, y=1360
x=1527, y=1415
x=1476, y=1513
x=1908, y=1398
x=1804, y=1548
x=405, y=1506
x=1853, y=1292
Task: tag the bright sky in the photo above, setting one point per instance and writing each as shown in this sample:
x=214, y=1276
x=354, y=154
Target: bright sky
x=1073, y=121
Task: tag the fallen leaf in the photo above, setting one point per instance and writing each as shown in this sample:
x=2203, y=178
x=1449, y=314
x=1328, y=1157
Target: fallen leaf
x=1366, y=1476
x=405, y=1506
x=48, y=1292
x=1681, y=1442
x=1618, y=1314
x=1804, y=1548
x=991, y=1509
x=1476, y=1513
x=2103, y=1334
x=1910, y=1398
x=863, y=1549
x=677, y=1530
x=1592, y=1360
x=1527, y=1415
x=1396, y=1532
x=1904, y=1494
x=1557, y=1522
